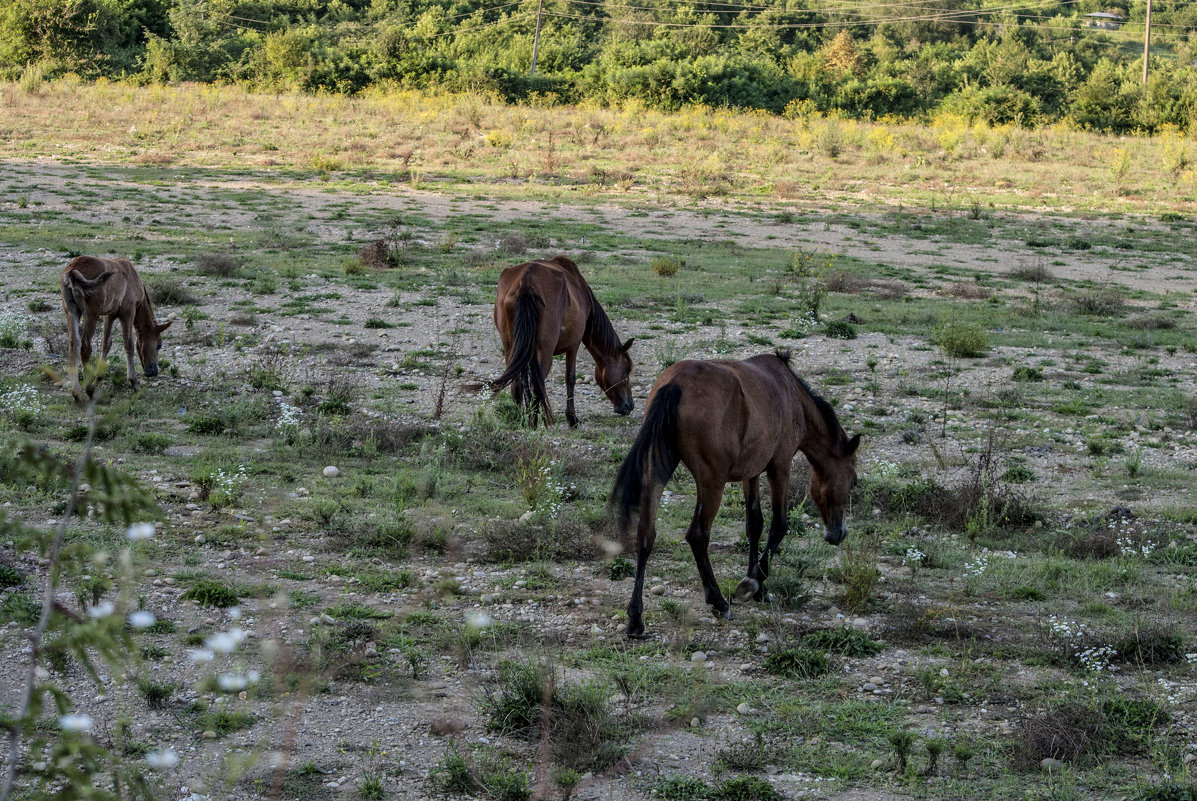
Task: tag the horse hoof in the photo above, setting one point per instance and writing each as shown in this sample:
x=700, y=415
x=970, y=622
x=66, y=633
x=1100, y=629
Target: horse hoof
x=636, y=633
x=725, y=614
x=747, y=589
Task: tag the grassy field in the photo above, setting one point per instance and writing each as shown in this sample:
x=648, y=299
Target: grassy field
x=1006, y=315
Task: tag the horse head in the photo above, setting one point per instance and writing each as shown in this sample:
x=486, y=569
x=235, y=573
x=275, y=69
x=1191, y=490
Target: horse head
x=831, y=483
x=149, y=342
x=614, y=377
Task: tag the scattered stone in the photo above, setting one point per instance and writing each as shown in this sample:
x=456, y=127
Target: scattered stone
x=698, y=656
x=331, y=471
x=695, y=723
x=744, y=708
x=869, y=687
x=1052, y=765
x=658, y=589
x=209, y=735
x=526, y=516
x=762, y=638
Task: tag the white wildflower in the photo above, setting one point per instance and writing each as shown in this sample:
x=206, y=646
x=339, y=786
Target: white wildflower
x=75, y=722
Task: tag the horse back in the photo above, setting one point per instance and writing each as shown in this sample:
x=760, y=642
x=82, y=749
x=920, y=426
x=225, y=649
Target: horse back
x=560, y=288
x=735, y=417
x=122, y=289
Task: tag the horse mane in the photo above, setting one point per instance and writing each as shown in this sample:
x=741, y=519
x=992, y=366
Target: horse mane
x=828, y=414
x=599, y=330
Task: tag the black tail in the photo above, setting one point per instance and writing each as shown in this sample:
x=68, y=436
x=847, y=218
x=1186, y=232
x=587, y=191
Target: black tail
x=654, y=454
x=523, y=362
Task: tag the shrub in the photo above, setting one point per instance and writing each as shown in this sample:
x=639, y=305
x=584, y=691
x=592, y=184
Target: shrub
x=1150, y=644
x=962, y=340
x=838, y=329
x=211, y=593
x=581, y=732
x=681, y=788
x=797, y=663
x=667, y=266
x=156, y=694
x=10, y=576
x=844, y=640
x=745, y=788
x=222, y=265
x=165, y=291
x=1102, y=302
x=1027, y=374
x=858, y=567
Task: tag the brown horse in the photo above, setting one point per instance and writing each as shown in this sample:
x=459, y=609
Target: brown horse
x=730, y=421
x=110, y=288
x=543, y=309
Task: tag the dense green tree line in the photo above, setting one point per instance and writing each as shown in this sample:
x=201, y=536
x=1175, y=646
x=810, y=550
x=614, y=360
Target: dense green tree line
x=785, y=56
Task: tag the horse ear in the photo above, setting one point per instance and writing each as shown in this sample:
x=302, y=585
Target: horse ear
x=164, y=326
x=628, y=344
x=853, y=444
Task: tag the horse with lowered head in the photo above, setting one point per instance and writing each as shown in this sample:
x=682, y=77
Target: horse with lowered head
x=730, y=421
x=110, y=288
x=543, y=309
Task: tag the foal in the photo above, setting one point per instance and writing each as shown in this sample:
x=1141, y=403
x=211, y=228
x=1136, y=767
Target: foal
x=730, y=421
x=110, y=288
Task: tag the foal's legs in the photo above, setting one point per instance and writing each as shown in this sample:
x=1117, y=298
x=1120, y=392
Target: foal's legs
x=106, y=343
x=87, y=332
x=571, y=364
x=74, y=353
x=710, y=495
x=127, y=334
x=754, y=523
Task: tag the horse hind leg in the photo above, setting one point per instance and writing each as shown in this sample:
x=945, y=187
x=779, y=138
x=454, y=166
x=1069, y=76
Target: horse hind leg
x=754, y=524
x=698, y=535
x=779, y=485
x=646, y=536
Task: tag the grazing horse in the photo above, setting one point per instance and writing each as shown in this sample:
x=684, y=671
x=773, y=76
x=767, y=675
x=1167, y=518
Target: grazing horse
x=730, y=421
x=112, y=289
x=545, y=308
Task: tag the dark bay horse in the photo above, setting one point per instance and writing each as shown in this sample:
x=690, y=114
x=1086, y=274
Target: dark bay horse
x=545, y=308
x=110, y=288
x=730, y=421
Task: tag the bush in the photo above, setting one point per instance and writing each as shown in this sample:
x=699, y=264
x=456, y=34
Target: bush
x=582, y=734
x=211, y=593
x=844, y=640
x=221, y=265
x=962, y=340
x=170, y=292
x=838, y=329
x=745, y=788
x=797, y=663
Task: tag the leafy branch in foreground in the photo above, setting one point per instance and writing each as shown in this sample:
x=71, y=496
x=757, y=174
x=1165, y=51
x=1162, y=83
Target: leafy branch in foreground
x=72, y=761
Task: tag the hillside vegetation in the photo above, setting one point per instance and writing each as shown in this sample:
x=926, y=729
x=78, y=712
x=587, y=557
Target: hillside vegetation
x=1027, y=63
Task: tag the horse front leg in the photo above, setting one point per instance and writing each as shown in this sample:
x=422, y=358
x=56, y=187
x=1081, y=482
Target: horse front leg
x=779, y=525
x=86, y=334
x=130, y=359
x=699, y=537
x=75, y=356
x=754, y=524
x=571, y=363
x=106, y=342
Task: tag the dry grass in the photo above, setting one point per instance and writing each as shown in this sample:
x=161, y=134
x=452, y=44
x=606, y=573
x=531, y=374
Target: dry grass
x=414, y=136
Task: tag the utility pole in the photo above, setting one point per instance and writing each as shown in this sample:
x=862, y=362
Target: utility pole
x=540, y=8
x=1146, y=42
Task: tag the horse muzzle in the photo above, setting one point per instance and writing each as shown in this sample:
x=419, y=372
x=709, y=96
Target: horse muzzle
x=835, y=536
x=625, y=408
x=151, y=370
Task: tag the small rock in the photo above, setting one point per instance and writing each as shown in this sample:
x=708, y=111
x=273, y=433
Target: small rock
x=1052, y=765
x=744, y=708
x=658, y=589
x=698, y=656
x=877, y=680
x=526, y=516
x=762, y=638
x=331, y=471
x=209, y=735
x=695, y=723
x=869, y=687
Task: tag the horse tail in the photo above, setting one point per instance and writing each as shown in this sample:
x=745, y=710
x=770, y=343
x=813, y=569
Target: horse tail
x=653, y=457
x=76, y=287
x=523, y=362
